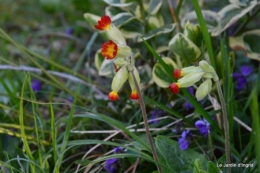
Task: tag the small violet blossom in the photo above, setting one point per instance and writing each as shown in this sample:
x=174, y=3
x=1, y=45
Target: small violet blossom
x=118, y=150
x=156, y=114
x=203, y=126
x=188, y=106
x=241, y=77
x=69, y=31
x=112, y=165
x=185, y=139
x=36, y=85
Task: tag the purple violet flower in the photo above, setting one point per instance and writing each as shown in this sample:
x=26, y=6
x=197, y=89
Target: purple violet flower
x=204, y=126
x=70, y=99
x=112, y=165
x=69, y=31
x=118, y=150
x=241, y=77
x=188, y=106
x=185, y=139
x=156, y=114
x=36, y=85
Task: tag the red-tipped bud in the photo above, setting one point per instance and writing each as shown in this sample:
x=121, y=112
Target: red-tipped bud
x=175, y=88
x=113, y=96
x=177, y=74
x=109, y=50
x=134, y=95
x=103, y=23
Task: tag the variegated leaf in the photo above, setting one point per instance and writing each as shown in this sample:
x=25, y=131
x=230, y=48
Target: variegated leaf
x=154, y=6
x=158, y=31
x=229, y=15
x=122, y=18
x=118, y=3
x=106, y=68
x=160, y=76
x=185, y=48
x=249, y=42
x=211, y=18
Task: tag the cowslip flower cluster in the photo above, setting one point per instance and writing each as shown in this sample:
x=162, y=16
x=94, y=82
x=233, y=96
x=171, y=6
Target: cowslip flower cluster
x=188, y=76
x=117, y=51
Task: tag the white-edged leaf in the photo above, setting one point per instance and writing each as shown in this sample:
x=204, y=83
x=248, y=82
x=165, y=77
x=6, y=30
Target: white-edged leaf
x=118, y=3
x=154, y=6
x=98, y=59
x=211, y=18
x=242, y=3
x=160, y=76
x=249, y=42
x=132, y=29
x=155, y=21
x=162, y=30
x=92, y=19
x=230, y=14
x=106, y=69
x=122, y=18
x=113, y=11
x=185, y=48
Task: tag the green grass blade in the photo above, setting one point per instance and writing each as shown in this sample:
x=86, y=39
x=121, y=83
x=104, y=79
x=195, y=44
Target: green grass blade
x=205, y=32
x=53, y=134
x=23, y=135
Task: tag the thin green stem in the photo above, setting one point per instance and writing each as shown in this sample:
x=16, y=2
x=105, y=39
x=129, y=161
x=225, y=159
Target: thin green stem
x=225, y=125
x=148, y=134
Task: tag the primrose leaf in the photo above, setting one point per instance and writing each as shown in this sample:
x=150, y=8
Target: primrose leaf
x=185, y=48
x=160, y=75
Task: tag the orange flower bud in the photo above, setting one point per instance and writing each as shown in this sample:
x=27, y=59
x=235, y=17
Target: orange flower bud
x=113, y=96
x=103, y=23
x=175, y=88
x=177, y=73
x=134, y=95
x=109, y=50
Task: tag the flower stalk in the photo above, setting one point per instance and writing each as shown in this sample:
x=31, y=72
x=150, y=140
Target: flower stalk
x=148, y=134
x=225, y=125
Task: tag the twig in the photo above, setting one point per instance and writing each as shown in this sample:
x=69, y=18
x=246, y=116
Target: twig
x=148, y=134
x=173, y=16
x=59, y=74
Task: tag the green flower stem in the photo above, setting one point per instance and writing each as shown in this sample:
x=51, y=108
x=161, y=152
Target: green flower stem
x=225, y=125
x=148, y=134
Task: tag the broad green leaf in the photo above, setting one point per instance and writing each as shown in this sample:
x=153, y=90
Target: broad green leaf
x=158, y=31
x=249, y=42
x=229, y=15
x=176, y=159
x=160, y=75
x=118, y=3
x=106, y=68
x=185, y=48
x=154, y=6
x=197, y=167
x=212, y=168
